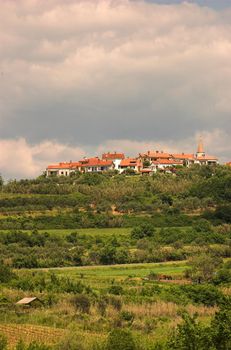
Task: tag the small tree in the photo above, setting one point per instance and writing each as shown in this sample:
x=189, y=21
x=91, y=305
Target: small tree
x=203, y=267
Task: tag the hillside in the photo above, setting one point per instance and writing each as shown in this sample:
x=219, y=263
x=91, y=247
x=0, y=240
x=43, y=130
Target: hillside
x=116, y=257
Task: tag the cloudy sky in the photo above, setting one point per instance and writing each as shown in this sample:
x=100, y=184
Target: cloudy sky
x=79, y=77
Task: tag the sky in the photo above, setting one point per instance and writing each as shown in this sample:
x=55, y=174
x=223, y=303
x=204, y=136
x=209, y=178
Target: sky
x=80, y=77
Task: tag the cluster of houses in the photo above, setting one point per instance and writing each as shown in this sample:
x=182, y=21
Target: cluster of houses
x=145, y=163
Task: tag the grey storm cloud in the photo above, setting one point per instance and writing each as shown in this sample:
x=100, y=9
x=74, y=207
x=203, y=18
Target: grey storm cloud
x=83, y=75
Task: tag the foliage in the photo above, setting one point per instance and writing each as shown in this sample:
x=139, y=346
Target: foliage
x=3, y=342
x=192, y=335
x=120, y=339
x=144, y=230
x=203, y=267
x=82, y=303
x=6, y=273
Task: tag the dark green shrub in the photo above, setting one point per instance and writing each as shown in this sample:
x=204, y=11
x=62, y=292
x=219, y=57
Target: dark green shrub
x=119, y=339
x=3, y=342
x=6, y=273
x=82, y=303
x=190, y=335
x=116, y=290
x=116, y=302
x=221, y=329
x=127, y=316
x=144, y=230
x=222, y=276
x=207, y=295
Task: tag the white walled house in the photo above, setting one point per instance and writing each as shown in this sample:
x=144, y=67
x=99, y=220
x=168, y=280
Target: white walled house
x=130, y=163
x=114, y=157
x=62, y=169
x=96, y=165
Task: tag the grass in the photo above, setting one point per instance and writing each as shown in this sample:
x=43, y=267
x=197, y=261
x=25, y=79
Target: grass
x=100, y=232
x=124, y=270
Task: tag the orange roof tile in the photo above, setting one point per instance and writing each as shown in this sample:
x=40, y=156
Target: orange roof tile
x=182, y=156
x=70, y=165
x=113, y=156
x=206, y=157
x=146, y=170
x=130, y=162
x=169, y=161
x=89, y=162
x=156, y=154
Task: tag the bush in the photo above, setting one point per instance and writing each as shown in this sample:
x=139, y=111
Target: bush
x=221, y=329
x=144, y=230
x=119, y=339
x=222, y=276
x=82, y=303
x=3, y=342
x=5, y=273
x=127, y=316
x=190, y=335
x=116, y=290
x=116, y=302
x=203, y=294
x=32, y=346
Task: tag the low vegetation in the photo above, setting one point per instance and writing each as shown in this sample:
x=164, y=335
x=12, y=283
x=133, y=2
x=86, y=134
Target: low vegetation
x=117, y=262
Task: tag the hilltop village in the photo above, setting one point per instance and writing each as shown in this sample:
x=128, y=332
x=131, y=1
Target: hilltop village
x=145, y=163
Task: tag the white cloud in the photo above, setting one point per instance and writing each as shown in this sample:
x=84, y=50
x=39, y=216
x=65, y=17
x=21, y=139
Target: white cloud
x=20, y=159
x=88, y=71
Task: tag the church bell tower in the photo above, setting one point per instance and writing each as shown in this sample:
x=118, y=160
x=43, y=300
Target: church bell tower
x=200, y=148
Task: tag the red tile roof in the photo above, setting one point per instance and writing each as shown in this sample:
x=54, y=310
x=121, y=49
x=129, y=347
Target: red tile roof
x=182, y=156
x=70, y=165
x=146, y=170
x=156, y=154
x=169, y=162
x=130, y=162
x=112, y=156
x=91, y=162
x=206, y=157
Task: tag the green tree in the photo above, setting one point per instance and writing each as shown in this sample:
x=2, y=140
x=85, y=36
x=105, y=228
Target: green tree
x=144, y=230
x=221, y=329
x=6, y=273
x=203, y=267
x=190, y=335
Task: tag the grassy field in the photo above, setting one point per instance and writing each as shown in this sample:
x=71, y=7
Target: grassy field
x=99, y=232
x=124, y=270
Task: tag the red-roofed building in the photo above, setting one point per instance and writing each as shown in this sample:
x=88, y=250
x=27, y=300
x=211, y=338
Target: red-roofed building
x=186, y=158
x=130, y=163
x=146, y=163
x=115, y=157
x=94, y=165
x=202, y=158
x=154, y=155
x=63, y=169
